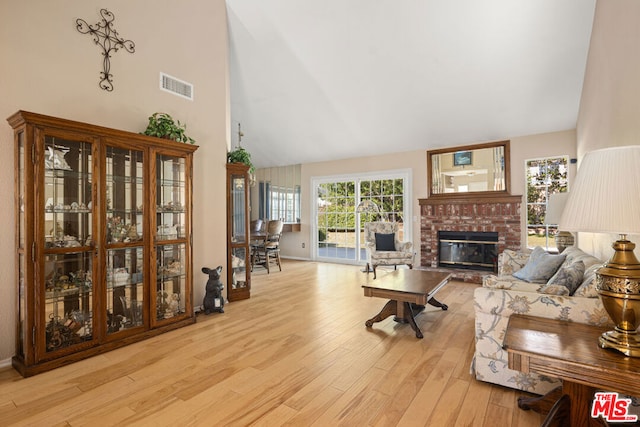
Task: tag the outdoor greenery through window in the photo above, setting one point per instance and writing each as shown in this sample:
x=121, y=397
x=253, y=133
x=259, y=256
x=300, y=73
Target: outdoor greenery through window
x=339, y=236
x=544, y=177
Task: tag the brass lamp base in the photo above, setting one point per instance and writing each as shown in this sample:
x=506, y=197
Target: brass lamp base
x=627, y=343
x=564, y=239
x=618, y=284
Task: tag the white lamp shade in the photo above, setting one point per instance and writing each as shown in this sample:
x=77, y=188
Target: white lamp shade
x=555, y=207
x=605, y=197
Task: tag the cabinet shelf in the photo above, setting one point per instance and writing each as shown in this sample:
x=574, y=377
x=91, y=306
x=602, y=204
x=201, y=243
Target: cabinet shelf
x=103, y=232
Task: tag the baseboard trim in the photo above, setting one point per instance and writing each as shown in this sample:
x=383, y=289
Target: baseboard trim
x=6, y=363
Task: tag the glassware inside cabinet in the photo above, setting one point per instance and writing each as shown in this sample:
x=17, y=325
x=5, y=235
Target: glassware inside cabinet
x=239, y=266
x=124, y=195
x=171, y=198
x=238, y=223
x=68, y=299
x=125, y=288
x=170, y=280
x=67, y=192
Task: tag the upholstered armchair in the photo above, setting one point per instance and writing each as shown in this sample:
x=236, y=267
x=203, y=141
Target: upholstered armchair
x=384, y=246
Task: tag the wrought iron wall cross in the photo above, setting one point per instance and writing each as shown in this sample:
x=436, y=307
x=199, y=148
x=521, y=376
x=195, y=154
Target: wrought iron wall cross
x=105, y=36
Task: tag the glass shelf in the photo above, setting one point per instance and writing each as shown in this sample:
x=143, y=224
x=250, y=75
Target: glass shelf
x=125, y=288
x=171, y=198
x=170, y=280
x=68, y=299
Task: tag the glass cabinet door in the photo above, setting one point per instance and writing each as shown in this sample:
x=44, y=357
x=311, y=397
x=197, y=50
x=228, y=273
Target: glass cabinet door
x=124, y=226
x=239, y=232
x=67, y=230
x=170, y=238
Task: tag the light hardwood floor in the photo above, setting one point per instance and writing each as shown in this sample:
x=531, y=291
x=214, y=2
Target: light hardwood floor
x=297, y=353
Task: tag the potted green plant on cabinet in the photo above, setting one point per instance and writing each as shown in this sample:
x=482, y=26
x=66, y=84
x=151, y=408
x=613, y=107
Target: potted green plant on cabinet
x=162, y=125
x=240, y=155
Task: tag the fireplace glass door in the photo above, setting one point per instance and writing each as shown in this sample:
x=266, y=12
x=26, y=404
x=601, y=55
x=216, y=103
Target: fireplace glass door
x=468, y=250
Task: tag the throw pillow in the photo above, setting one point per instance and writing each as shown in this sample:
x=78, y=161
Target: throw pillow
x=385, y=242
x=566, y=280
x=540, y=267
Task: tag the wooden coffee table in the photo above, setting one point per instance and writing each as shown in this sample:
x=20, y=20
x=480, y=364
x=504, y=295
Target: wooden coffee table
x=404, y=289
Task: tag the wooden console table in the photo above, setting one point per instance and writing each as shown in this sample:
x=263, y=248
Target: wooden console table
x=570, y=351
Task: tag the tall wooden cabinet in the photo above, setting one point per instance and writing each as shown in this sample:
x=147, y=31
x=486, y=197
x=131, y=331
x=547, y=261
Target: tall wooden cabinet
x=238, y=250
x=103, y=239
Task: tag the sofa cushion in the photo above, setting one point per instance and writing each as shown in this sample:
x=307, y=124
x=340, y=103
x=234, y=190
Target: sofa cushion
x=566, y=280
x=574, y=254
x=588, y=287
x=540, y=267
x=509, y=283
x=385, y=242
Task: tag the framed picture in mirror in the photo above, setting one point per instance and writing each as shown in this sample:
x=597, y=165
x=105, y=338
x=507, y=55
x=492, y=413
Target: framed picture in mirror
x=462, y=158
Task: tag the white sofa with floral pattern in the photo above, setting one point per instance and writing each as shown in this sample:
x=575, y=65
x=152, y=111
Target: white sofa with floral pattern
x=502, y=295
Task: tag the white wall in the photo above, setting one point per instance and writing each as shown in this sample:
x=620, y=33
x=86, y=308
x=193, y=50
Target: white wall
x=414, y=160
x=49, y=67
x=610, y=105
x=522, y=148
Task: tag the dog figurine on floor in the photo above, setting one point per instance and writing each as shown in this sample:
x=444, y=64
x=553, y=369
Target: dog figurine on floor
x=213, y=299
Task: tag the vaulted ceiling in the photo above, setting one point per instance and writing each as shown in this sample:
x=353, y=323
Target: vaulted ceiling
x=333, y=79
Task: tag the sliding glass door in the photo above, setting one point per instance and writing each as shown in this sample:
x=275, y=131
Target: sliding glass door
x=339, y=224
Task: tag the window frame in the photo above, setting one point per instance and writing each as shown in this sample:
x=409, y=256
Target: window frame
x=548, y=187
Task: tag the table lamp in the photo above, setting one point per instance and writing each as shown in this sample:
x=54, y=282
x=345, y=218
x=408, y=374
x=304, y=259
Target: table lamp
x=555, y=207
x=606, y=199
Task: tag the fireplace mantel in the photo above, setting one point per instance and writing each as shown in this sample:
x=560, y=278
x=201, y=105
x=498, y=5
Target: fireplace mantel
x=499, y=213
x=459, y=200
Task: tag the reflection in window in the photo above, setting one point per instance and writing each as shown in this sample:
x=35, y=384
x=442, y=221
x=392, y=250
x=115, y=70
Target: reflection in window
x=277, y=195
x=544, y=177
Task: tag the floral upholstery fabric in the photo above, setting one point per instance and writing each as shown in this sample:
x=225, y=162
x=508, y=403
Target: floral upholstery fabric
x=403, y=253
x=511, y=261
x=501, y=296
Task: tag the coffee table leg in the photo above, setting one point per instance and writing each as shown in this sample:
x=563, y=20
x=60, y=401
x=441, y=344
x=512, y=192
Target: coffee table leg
x=434, y=302
x=408, y=314
x=389, y=309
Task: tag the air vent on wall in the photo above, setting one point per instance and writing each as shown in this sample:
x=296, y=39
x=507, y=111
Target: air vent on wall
x=176, y=86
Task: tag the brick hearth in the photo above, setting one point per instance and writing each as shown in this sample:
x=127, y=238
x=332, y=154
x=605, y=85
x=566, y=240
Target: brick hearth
x=499, y=214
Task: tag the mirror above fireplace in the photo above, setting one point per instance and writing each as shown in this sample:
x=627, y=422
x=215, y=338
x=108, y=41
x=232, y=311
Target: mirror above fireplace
x=469, y=171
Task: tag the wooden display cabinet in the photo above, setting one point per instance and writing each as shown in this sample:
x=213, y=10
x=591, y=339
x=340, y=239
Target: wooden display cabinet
x=238, y=249
x=103, y=239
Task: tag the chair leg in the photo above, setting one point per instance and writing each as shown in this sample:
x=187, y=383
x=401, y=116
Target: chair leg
x=266, y=260
x=278, y=260
x=253, y=257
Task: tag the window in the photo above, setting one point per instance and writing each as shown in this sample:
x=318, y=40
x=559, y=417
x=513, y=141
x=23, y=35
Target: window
x=339, y=235
x=544, y=177
x=277, y=194
x=284, y=203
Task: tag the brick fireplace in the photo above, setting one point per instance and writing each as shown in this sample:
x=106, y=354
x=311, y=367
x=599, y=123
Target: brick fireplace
x=500, y=214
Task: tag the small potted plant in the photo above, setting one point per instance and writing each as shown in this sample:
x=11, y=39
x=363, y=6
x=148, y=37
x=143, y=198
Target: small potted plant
x=162, y=125
x=240, y=155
